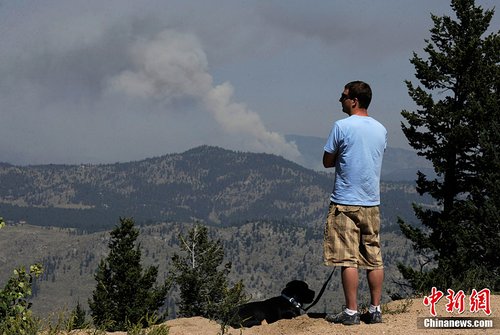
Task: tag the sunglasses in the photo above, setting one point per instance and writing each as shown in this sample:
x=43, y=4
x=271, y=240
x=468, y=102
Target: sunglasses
x=343, y=97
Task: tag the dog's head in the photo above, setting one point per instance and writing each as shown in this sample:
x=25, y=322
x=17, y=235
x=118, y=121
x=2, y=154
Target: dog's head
x=300, y=291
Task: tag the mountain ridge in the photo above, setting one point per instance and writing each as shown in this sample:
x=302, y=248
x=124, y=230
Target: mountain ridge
x=208, y=184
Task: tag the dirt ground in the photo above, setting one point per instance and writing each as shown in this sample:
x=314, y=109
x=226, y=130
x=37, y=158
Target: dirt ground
x=397, y=323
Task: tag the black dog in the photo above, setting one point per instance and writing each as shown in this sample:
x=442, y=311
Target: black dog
x=286, y=306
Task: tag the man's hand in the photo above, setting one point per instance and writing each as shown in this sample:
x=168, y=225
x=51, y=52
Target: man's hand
x=329, y=159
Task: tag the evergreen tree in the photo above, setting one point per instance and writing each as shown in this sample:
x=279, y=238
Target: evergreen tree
x=125, y=294
x=78, y=317
x=204, y=289
x=460, y=135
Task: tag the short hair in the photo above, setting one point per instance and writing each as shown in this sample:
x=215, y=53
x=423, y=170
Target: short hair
x=361, y=91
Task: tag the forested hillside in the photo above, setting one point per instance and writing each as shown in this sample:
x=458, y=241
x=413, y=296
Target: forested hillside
x=264, y=254
x=206, y=184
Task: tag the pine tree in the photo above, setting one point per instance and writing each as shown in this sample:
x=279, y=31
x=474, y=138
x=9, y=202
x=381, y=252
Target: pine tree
x=459, y=134
x=78, y=317
x=204, y=289
x=125, y=294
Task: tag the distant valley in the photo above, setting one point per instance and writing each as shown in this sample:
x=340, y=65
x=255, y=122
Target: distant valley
x=264, y=255
x=268, y=212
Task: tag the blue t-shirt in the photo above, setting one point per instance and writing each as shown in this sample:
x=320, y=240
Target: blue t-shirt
x=359, y=143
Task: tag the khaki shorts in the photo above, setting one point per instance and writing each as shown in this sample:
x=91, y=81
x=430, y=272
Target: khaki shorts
x=352, y=237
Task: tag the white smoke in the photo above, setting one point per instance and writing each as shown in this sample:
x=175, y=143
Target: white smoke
x=173, y=66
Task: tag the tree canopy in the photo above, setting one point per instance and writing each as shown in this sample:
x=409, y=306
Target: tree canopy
x=201, y=276
x=125, y=295
x=456, y=127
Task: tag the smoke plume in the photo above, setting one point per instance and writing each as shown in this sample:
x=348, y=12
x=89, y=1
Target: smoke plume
x=173, y=66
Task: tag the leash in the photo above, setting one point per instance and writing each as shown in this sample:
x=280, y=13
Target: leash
x=320, y=292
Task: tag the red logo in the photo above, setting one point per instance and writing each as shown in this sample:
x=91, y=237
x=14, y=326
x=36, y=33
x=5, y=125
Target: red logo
x=456, y=301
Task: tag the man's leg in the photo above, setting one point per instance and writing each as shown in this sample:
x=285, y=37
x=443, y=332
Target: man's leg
x=350, y=315
x=375, y=280
x=350, y=280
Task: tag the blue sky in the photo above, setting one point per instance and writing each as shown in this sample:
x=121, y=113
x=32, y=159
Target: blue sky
x=87, y=81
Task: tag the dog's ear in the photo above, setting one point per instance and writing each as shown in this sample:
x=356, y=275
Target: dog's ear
x=300, y=291
x=289, y=288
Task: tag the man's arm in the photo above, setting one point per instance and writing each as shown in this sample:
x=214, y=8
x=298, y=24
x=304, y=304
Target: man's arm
x=329, y=159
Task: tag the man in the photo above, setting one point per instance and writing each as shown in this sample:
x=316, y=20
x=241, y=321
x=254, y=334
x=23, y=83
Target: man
x=355, y=147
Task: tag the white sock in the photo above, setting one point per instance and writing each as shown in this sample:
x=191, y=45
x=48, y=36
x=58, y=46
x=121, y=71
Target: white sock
x=373, y=309
x=350, y=311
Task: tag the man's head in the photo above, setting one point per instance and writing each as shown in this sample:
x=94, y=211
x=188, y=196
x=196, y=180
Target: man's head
x=357, y=90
